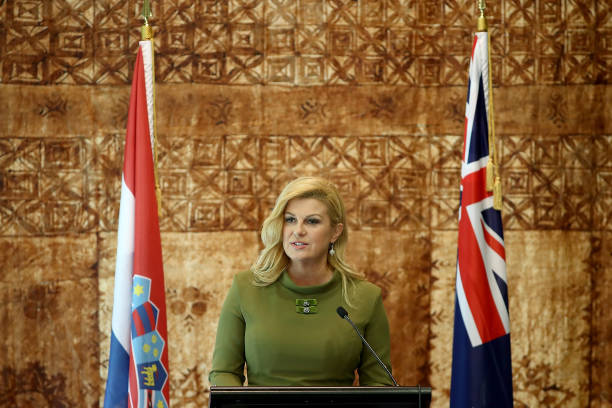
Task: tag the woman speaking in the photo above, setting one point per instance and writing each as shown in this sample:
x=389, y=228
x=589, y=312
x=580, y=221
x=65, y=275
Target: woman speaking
x=279, y=318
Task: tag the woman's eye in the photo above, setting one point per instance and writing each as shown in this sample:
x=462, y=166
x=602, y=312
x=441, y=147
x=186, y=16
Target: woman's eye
x=313, y=221
x=289, y=219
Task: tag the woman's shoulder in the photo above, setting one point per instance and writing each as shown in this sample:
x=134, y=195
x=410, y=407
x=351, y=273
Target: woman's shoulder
x=242, y=286
x=366, y=299
x=367, y=289
x=244, y=278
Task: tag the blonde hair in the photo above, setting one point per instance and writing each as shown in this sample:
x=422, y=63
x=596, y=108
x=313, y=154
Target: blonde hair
x=272, y=260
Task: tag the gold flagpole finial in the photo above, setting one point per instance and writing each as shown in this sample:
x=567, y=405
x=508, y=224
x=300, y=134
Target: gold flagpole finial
x=482, y=20
x=146, y=11
x=146, y=30
x=147, y=35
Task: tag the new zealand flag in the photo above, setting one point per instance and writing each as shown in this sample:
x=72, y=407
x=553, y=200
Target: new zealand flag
x=481, y=371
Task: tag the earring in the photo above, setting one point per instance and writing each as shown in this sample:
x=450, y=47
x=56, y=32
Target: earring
x=332, y=252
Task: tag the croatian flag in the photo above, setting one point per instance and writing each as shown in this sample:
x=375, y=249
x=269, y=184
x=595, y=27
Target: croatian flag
x=481, y=370
x=138, y=363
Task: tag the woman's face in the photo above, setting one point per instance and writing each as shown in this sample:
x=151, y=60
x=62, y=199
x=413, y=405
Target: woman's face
x=307, y=230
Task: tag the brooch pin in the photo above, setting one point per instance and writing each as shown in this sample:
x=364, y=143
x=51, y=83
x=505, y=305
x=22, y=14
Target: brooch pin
x=306, y=306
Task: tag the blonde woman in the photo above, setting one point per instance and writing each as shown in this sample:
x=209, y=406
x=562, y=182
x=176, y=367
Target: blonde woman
x=279, y=318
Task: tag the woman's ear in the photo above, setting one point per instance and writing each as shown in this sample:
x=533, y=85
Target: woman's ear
x=337, y=232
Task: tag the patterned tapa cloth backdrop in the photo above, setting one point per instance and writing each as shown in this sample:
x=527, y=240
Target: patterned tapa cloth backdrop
x=252, y=93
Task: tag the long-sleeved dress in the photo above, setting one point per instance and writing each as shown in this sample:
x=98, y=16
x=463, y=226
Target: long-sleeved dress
x=291, y=335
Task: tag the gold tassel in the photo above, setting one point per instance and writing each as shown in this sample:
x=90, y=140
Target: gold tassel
x=490, y=175
x=497, y=194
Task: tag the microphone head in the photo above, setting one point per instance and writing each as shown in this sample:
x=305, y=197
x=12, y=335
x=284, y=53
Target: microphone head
x=342, y=312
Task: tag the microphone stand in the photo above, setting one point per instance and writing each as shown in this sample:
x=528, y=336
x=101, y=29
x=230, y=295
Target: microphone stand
x=343, y=314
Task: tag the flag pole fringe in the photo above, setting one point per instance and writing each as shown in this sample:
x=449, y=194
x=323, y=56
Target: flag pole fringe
x=493, y=180
x=146, y=32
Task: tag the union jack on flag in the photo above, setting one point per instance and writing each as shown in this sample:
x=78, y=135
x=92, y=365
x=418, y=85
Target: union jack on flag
x=481, y=369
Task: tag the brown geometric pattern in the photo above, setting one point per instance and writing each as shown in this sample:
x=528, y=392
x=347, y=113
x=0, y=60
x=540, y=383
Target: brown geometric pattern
x=225, y=183
x=253, y=93
x=226, y=175
x=305, y=42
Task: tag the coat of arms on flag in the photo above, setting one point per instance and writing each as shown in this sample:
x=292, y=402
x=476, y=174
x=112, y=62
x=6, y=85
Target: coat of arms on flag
x=147, y=345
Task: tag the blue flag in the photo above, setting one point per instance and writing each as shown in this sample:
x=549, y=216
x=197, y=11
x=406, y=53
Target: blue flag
x=482, y=368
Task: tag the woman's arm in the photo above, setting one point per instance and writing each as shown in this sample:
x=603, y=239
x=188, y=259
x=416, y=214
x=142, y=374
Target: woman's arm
x=228, y=356
x=376, y=332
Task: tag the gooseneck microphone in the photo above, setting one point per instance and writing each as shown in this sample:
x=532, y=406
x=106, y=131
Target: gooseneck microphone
x=344, y=314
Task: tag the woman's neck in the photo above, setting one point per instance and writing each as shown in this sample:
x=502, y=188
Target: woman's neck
x=309, y=275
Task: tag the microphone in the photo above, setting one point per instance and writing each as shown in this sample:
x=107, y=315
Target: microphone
x=344, y=315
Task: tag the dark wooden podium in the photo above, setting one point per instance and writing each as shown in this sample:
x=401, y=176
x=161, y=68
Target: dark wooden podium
x=320, y=397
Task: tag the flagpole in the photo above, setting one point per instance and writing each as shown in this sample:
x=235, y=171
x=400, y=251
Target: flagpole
x=146, y=32
x=138, y=368
x=481, y=372
x=493, y=177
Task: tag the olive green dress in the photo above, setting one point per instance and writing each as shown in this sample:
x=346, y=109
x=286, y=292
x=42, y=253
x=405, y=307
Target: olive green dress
x=306, y=345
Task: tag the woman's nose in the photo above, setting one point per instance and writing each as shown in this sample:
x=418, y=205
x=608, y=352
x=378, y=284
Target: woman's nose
x=300, y=228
